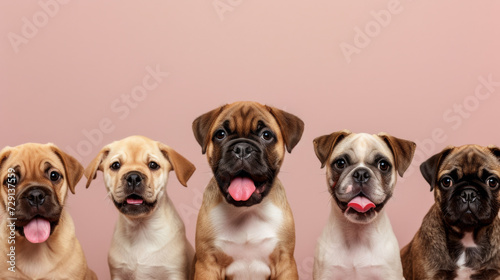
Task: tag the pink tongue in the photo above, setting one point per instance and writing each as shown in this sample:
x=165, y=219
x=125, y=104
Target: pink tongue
x=241, y=189
x=134, y=201
x=361, y=204
x=37, y=230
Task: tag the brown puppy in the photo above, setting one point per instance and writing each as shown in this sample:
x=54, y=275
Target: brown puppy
x=40, y=237
x=460, y=235
x=245, y=227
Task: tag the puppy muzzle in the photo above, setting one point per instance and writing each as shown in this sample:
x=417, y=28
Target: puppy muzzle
x=133, y=202
x=243, y=175
x=37, y=213
x=470, y=206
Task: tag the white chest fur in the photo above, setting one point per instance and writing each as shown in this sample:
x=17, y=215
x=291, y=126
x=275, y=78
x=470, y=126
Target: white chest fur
x=249, y=235
x=348, y=251
x=464, y=272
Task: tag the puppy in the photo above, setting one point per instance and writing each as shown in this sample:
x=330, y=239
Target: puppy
x=245, y=227
x=460, y=236
x=358, y=241
x=39, y=240
x=149, y=241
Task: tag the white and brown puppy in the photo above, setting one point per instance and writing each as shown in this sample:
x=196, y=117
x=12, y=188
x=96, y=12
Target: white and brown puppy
x=460, y=236
x=38, y=235
x=245, y=227
x=149, y=241
x=358, y=241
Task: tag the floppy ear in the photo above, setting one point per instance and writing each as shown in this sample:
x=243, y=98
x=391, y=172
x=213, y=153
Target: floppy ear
x=430, y=167
x=495, y=151
x=4, y=155
x=201, y=127
x=72, y=168
x=323, y=145
x=290, y=125
x=95, y=164
x=183, y=168
x=403, y=151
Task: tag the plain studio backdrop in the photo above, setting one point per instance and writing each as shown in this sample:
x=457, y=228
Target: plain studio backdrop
x=82, y=74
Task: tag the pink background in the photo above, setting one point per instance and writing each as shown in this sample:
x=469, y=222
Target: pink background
x=69, y=66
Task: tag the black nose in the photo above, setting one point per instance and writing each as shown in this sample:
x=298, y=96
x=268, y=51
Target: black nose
x=468, y=196
x=133, y=179
x=242, y=150
x=361, y=175
x=36, y=197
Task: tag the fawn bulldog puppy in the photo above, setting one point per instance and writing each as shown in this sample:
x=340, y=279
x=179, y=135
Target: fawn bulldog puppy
x=149, y=241
x=245, y=227
x=38, y=235
x=460, y=236
x=361, y=171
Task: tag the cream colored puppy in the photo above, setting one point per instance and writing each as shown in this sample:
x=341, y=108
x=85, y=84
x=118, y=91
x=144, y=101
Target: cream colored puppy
x=149, y=241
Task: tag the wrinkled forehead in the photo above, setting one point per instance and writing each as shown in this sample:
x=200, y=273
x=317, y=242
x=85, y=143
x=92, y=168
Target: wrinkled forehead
x=244, y=118
x=470, y=160
x=362, y=147
x=134, y=149
x=32, y=158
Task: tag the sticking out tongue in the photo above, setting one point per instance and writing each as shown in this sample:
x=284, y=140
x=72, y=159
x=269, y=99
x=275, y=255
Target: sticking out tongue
x=134, y=201
x=37, y=230
x=241, y=189
x=361, y=204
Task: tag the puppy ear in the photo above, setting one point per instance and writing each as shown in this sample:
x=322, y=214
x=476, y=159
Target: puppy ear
x=4, y=155
x=183, y=168
x=403, y=151
x=323, y=145
x=495, y=151
x=201, y=127
x=290, y=125
x=95, y=164
x=430, y=167
x=72, y=168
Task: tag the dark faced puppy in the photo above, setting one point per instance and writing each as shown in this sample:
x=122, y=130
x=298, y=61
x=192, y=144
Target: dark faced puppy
x=245, y=227
x=245, y=148
x=459, y=237
x=467, y=187
x=36, y=179
x=41, y=178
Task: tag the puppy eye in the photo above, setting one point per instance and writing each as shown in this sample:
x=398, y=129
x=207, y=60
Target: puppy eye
x=383, y=165
x=54, y=176
x=11, y=179
x=340, y=163
x=446, y=182
x=115, y=165
x=492, y=182
x=267, y=135
x=153, y=165
x=220, y=134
